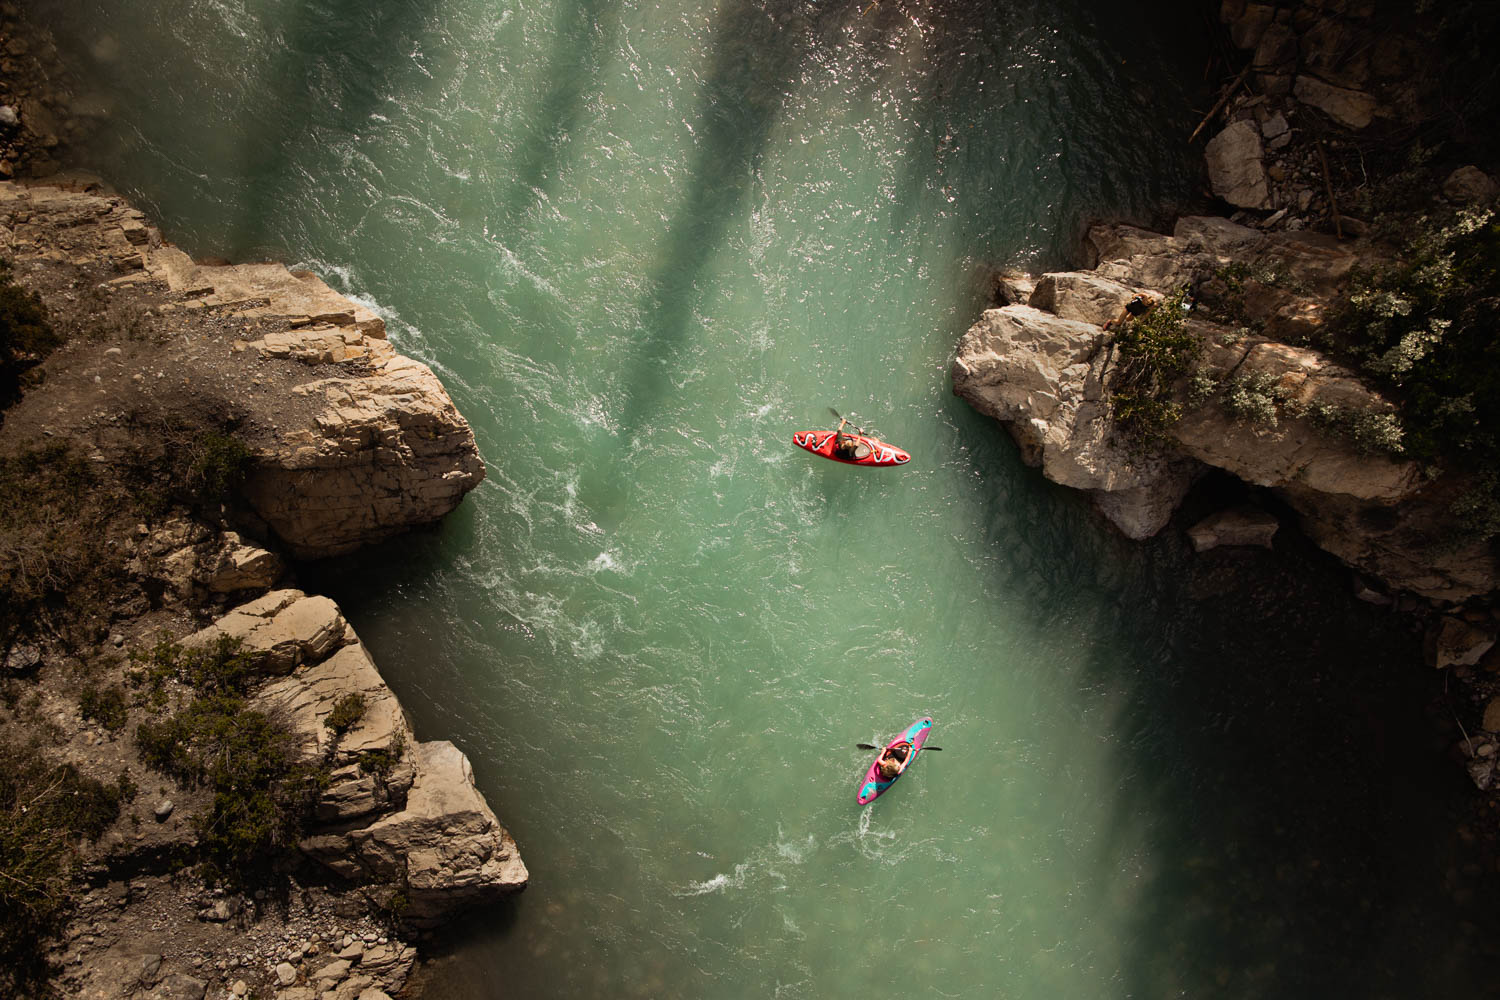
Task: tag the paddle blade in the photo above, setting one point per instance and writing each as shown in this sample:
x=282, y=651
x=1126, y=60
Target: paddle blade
x=836, y=414
x=866, y=746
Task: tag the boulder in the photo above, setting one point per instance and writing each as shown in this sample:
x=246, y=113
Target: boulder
x=330, y=973
x=280, y=630
x=1243, y=525
x=1334, y=50
x=1470, y=186
x=1352, y=108
x=304, y=699
x=1277, y=48
x=1455, y=642
x=1235, y=168
x=377, y=453
x=262, y=290
x=1012, y=288
x=1081, y=295
x=238, y=565
x=1491, y=721
x=1248, y=24
x=1040, y=375
x=1408, y=545
x=1043, y=376
x=1296, y=449
x=446, y=847
x=352, y=442
x=192, y=560
x=1215, y=236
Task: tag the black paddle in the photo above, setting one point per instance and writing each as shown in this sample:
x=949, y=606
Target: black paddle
x=866, y=746
x=837, y=416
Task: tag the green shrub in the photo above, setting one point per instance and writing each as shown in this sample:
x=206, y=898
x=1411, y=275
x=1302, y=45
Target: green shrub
x=1373, y=432
x=346, y=713
x=26, y=338
x=52, y=504
x=262, y=794
x=221, y=667
x=1423, y=328
x=219, y=465
x=193, y=462
x=106, y=707
x=1254, y=398
x=45, y=809
x=1202, y=385
x=381, y=762
x=1155, y=350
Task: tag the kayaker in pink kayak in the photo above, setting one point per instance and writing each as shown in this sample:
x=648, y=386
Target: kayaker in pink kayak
x=893, y=761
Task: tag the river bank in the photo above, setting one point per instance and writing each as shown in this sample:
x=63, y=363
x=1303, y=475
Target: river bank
x=265, y=821
x=116, y=621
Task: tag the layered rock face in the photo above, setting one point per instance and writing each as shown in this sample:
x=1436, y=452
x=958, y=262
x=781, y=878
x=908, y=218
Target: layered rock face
x=1265, y=411
x=352, y=441
x=386, y=450
x=397, y=816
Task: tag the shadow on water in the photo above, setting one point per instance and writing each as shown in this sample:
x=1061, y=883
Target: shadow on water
x=586, y=35
x=1007, y=69
x=1275, y=753
x=336, y=65
x=755, y=59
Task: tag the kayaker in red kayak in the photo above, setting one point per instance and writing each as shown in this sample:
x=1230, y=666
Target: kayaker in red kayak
x=847, y=446
x=893, y=761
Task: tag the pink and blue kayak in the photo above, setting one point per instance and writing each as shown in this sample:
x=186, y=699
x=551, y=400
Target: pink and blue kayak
x=874, y=785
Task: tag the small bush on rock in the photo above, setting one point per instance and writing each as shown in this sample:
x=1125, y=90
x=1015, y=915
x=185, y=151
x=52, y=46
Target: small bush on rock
x=1254, y=398
x=262, y=793
x=347, y=711
x=1155, y=350
x=106, y=707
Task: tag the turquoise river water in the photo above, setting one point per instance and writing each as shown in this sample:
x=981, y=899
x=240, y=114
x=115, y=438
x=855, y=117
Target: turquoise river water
x=644, y=242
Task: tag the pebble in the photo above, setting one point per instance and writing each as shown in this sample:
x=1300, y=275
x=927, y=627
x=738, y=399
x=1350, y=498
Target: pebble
x=163, y=810
x=286, y=975
x=240, y=988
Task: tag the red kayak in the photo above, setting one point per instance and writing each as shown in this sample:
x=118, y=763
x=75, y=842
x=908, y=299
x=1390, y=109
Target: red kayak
x=869, y=451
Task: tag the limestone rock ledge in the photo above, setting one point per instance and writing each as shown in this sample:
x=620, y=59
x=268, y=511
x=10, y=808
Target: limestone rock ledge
x=1044, y=369
x=352, y=442
x=398, y=817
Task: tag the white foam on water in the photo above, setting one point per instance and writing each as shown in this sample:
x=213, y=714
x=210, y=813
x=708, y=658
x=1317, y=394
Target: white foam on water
x=604, y=561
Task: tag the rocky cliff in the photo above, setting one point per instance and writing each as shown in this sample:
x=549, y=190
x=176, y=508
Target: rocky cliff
x=173, y=373
x=352, y=441
x=1270, y=413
